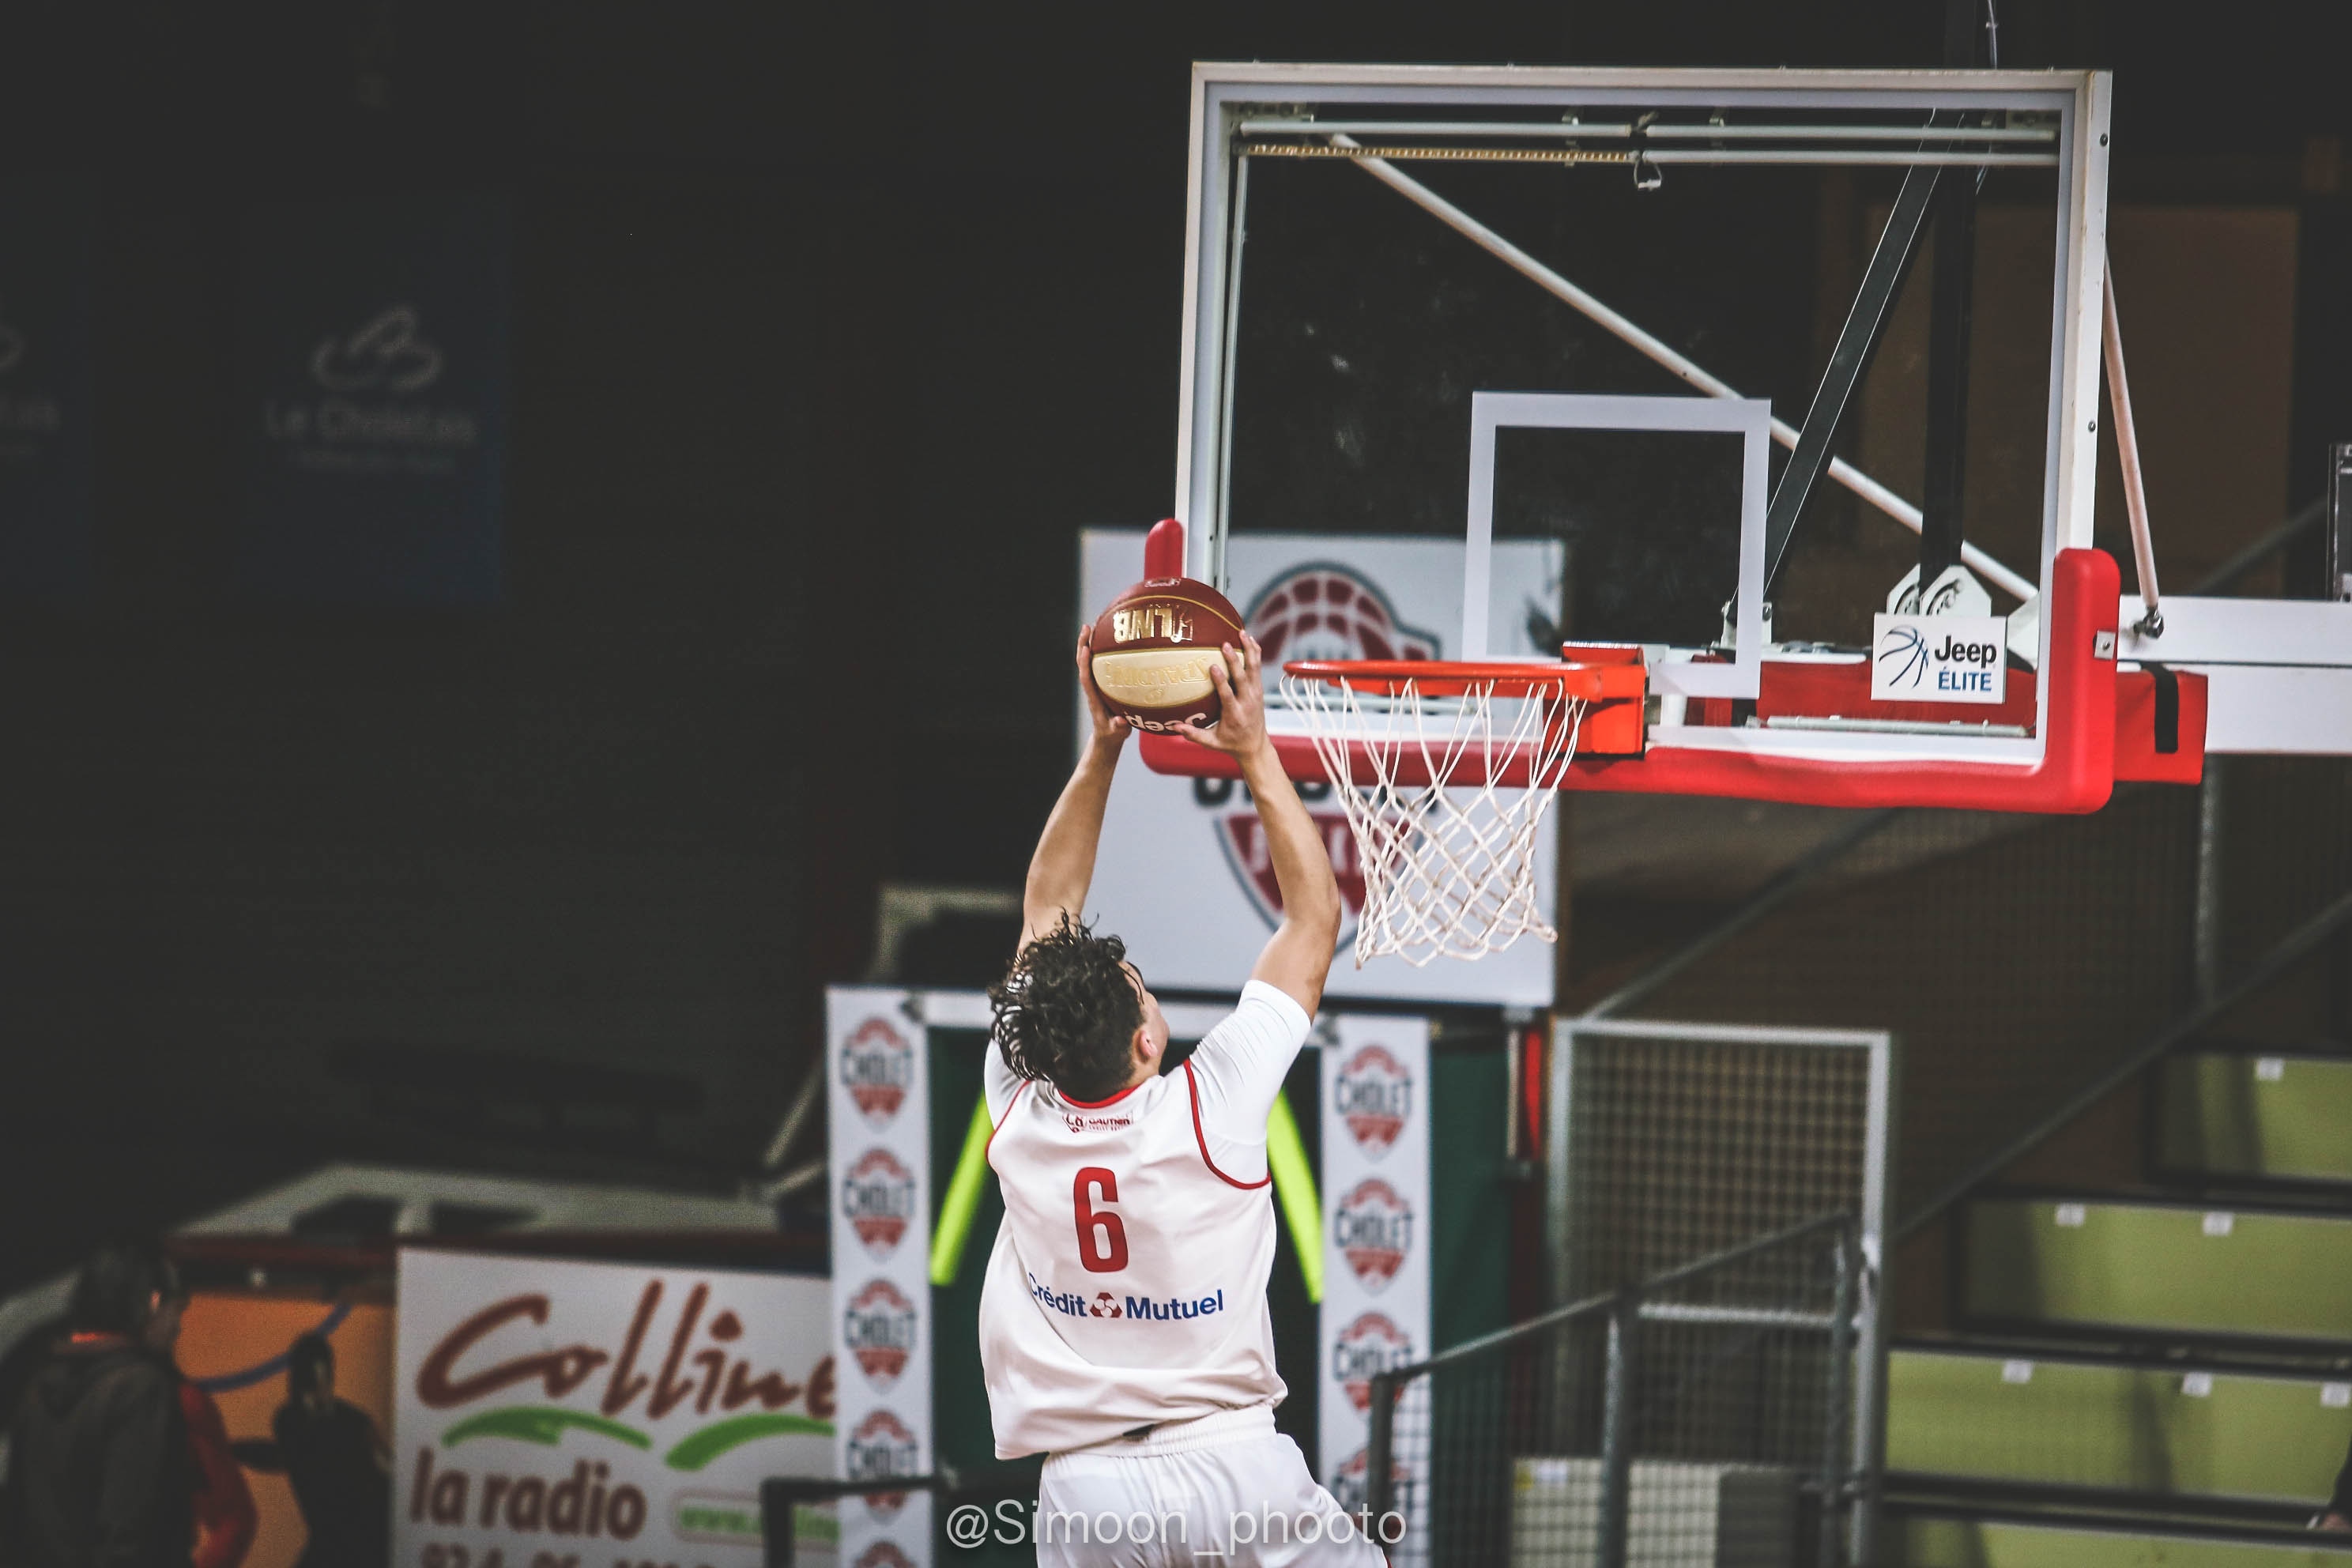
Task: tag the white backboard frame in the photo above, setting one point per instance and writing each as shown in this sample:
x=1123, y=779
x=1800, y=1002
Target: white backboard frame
x=2077, y=103
x=1748, y=418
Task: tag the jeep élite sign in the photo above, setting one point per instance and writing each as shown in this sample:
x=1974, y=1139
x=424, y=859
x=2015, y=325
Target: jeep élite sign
x=1938, y=659
x=572, y=1413
x=1183, y=874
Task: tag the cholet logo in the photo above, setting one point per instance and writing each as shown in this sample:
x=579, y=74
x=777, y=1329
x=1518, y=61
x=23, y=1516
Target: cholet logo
x=1373, y=1228
x=1373, y=1093
x=1372, y=1344
x=1316, y=610
x=387, y=353
x=877, y=1066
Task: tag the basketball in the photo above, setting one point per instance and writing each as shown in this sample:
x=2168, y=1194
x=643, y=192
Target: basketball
x=1152, y=650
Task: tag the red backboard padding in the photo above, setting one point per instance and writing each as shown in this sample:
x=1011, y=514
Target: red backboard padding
x=2077, y=771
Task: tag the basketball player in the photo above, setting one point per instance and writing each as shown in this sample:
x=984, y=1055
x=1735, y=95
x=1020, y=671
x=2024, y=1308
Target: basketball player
x=1123, y=1325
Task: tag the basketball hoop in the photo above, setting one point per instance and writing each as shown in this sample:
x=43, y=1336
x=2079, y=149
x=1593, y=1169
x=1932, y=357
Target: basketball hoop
x=1444, y=771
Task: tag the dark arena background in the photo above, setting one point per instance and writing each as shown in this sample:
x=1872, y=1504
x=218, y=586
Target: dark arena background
x=437, y=827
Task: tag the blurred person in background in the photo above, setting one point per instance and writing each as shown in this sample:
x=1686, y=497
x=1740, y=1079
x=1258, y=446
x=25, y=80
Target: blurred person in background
x=226, y=1517
x=102, y=1472
x=336, y=1462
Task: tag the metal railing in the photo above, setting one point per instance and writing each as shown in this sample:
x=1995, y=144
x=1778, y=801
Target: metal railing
x=782, y=1496
x=1719, y=1432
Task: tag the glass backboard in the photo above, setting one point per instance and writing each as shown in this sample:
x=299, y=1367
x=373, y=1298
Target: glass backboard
x=1606, y=311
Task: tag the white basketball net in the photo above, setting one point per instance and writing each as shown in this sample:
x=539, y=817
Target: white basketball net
x=1447, y=871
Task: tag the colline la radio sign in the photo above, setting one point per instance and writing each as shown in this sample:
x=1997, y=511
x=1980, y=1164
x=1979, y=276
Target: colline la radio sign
x=576, y=1407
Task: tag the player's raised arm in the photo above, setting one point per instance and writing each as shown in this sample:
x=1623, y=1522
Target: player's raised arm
x=1063, y=866
x=1299, y=956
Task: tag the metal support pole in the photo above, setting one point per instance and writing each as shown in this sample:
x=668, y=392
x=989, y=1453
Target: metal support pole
x=1869, y=1446
x=1228, y=356
x=2213, y=796
x=2126, y=435
x=1898, y=245
x=1950, y=311
x=1379, y=1448
x=1941, y=531
x=1617, y=1433
x=1833, y=1416
x=796, y=1118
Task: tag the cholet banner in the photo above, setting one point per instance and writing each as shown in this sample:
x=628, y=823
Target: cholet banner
x=551, y=1414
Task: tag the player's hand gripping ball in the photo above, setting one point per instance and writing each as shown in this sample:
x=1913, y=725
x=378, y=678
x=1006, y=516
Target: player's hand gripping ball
x=1152, y=650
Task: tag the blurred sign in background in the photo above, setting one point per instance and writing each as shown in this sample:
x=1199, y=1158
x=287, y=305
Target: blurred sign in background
x=373, y=385
x=45, y=549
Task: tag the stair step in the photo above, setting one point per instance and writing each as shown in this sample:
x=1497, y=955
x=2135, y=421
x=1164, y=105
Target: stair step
x=1923, y=1540
x=2265, y=1116
x=2160, y=1269
x=2176, y=1431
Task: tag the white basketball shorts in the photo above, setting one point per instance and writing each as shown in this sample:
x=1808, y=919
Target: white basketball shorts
x=1223, y=1491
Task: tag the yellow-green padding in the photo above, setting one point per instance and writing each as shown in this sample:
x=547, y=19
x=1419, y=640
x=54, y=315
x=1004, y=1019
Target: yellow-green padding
x=1977, y=1543
x=2286, y=1117
x=953, y=1231
x=2161, y=1267
x=2135, y=1428
x=1285, y=1160
x=1293, y=1187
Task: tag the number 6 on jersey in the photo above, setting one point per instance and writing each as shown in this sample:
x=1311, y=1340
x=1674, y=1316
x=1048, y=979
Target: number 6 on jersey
x=1112, y=1256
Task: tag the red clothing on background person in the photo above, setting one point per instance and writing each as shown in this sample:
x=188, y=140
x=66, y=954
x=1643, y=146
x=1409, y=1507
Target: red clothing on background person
x=225, y=1517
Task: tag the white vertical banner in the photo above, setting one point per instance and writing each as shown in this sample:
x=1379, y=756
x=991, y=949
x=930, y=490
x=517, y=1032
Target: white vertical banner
x=878, y=1145
x=1375, y=1313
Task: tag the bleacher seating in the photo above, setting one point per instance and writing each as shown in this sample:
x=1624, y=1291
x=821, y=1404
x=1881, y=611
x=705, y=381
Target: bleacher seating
x=2176, y=1269
x=2157, y=1376
x=2171, y=1431
x=2256, y=1114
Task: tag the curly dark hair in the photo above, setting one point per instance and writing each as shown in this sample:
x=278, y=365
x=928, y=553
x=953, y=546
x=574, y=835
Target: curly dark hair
x=1066, y=1010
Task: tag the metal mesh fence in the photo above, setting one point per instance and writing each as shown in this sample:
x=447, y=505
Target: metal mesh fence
x=1675, y=1142
x=1696, y=1419
x=1682, y=1142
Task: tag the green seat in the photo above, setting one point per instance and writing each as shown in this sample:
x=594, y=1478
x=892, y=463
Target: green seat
x=1925, y=1541
x=2277, y=1118
x=2163, y=1269
x=2133, y=1428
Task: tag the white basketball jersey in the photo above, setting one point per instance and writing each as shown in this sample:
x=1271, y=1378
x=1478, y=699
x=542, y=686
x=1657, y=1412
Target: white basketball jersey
x=1127, y=1285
